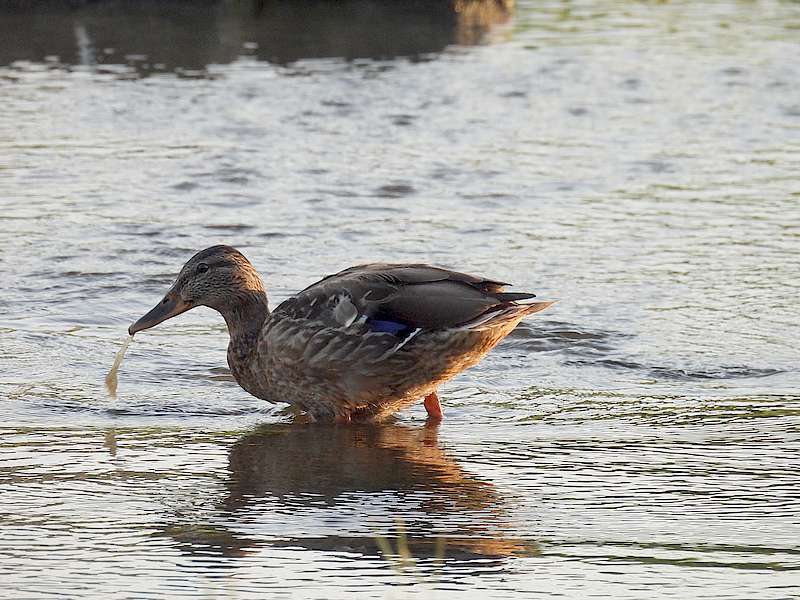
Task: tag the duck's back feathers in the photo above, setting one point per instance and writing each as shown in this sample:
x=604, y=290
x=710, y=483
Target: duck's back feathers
x=396, y=298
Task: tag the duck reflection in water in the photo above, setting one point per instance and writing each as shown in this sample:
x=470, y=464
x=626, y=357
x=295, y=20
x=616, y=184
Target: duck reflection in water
x=391, y=472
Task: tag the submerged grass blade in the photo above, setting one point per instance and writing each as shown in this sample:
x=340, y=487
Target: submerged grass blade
x=439, y=549
x=388, y=553
x=403, y=551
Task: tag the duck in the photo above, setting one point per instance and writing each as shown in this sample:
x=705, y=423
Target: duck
x=359, y=345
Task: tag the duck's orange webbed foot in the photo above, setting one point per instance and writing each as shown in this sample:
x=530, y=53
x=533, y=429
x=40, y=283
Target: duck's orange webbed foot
x=433, y=408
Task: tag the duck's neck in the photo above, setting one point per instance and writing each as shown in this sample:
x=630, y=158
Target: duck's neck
x=245, y=319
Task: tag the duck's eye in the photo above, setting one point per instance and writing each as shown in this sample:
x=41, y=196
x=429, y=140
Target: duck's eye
x=202, y=268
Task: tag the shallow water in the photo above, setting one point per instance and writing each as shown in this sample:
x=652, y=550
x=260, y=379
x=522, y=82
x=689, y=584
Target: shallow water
x=639, y=162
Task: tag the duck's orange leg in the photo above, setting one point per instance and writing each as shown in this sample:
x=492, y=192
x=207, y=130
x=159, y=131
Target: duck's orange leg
x=433, y=408
x=342, y=419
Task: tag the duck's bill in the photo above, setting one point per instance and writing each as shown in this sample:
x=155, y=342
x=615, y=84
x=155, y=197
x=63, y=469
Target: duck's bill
x=170, y=306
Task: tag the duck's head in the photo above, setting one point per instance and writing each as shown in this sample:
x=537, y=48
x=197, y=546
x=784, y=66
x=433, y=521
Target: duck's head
x=219, y=277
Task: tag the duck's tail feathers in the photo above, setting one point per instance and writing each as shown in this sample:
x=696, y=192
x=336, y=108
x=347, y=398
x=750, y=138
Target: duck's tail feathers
x=513, y=296
x=534, y=307
x=509, y=314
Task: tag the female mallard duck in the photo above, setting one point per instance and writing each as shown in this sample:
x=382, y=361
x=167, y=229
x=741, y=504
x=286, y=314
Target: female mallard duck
x=363, y=343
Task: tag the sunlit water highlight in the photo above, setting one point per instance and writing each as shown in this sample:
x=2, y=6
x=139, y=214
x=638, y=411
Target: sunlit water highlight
x=640, y=162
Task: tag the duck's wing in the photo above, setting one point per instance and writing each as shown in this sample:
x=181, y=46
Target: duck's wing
x=393, y=298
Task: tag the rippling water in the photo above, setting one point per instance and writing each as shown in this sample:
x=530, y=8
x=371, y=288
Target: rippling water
x=639, y=162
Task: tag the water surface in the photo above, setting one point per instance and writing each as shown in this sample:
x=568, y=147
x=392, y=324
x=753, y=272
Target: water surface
x=638, y=162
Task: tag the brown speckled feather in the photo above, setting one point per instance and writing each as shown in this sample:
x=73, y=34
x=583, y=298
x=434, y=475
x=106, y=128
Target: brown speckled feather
x=323, y=335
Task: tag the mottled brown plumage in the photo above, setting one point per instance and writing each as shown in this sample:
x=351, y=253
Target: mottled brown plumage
x=363, y=343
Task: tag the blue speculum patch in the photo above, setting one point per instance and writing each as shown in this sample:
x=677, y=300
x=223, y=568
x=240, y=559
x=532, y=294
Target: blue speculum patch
x=387, y=326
